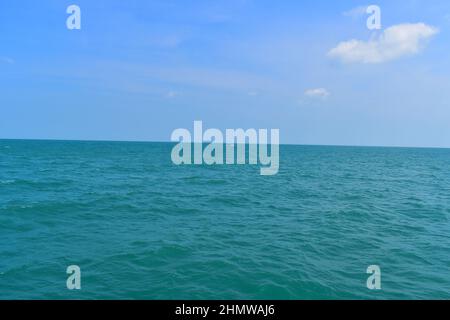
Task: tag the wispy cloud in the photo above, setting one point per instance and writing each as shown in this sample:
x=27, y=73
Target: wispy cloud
x=320, y=93
x=447, y=17
x=395, y=42
x=172, y=94
x=356, y=12
x=164, y=80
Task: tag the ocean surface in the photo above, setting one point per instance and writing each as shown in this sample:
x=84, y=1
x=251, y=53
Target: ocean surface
x=140, y=227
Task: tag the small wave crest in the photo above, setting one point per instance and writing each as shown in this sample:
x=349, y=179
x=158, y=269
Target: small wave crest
x=7, y=181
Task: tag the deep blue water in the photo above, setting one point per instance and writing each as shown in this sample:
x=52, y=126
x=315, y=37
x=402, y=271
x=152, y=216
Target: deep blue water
x=140, y=227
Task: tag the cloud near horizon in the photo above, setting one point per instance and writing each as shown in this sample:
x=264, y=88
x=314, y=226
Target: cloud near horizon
x=395, y=42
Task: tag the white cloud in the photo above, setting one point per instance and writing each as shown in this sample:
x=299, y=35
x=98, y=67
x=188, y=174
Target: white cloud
x=317, y=93
x=395, y=42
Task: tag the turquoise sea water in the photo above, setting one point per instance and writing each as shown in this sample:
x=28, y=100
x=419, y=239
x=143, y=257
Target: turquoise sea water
x=140, y=227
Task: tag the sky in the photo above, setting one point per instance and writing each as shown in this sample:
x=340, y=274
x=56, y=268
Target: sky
x=137, y=70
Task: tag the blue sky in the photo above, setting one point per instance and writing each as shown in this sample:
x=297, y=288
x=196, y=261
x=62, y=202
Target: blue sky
x=137, y=70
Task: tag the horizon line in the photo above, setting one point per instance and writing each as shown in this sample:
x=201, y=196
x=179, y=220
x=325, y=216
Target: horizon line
x=281, y=144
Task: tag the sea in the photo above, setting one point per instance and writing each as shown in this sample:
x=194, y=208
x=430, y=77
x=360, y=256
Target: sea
x=140, y=227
